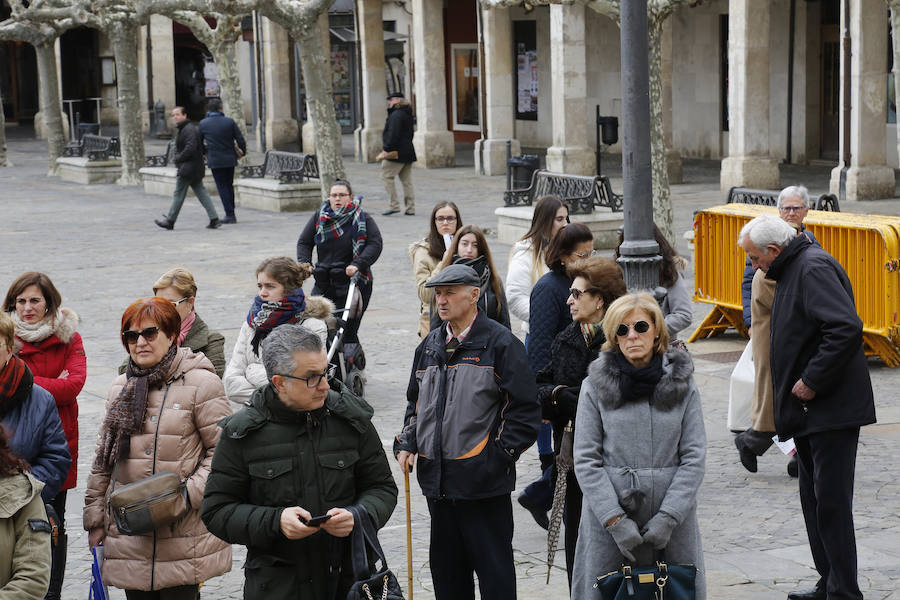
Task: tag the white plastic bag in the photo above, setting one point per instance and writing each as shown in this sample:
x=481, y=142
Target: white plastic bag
x=740, y=392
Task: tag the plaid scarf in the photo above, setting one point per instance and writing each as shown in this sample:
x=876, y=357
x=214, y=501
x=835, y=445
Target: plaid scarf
x=266, y=316
x=331, y=226
x=125, y=415
x=15, y=378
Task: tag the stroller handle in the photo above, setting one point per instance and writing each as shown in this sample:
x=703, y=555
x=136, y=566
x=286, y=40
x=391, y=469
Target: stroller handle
x=344, y=314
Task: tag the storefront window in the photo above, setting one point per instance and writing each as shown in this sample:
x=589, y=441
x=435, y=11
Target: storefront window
x=466, y=100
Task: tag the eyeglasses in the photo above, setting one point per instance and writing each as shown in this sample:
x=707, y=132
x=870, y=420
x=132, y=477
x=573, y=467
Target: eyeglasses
x=576, y=293
x=639, y=327
x=790, y=209
x=131, y=336
x=445, y=219
x=177, y=302
x=313, y=381
x=339, y=195
x=585, y=255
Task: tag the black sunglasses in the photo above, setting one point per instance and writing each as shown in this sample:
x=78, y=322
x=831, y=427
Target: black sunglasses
x=313, y=381
x=149, y=334
x=576, y=293
x=639, y=327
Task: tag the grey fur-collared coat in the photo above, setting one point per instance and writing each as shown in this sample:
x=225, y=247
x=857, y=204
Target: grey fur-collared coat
x=658, y=446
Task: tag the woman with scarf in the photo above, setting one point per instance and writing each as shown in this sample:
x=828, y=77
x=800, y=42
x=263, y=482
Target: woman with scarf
x=640, y=450
x=347, y=242
x=469, y=247
x=279, y=300
x=47, y=341
x=596, y=283
x=178, y=287
x=161, y=415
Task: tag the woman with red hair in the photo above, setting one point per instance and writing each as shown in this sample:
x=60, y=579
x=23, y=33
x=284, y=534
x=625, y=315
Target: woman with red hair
x=161, y=415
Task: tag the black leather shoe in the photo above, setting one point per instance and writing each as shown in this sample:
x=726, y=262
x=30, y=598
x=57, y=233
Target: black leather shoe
x=540, y=517
x=229, y=221
x=391, y=211
x=214, y=224
x=816, y=593
x=165, y=223
x=748, y=459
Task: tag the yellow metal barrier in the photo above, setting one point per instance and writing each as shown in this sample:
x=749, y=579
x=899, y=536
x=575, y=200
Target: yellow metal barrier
x=867, y=246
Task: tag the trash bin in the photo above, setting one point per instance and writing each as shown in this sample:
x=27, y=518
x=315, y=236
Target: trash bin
x=522, y=168
x=83, y=128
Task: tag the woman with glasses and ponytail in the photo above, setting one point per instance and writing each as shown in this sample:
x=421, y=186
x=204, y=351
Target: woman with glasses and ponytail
x=640, y=450
x=279, y=300
x=426, y=256
x=347, y=242
x=161, y=415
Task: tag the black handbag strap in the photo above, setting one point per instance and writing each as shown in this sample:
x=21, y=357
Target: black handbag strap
x=362, y=538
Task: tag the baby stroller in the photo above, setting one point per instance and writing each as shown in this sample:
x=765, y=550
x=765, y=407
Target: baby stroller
x=348, y=357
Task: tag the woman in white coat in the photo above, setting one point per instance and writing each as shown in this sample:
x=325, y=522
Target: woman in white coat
x=279, y=300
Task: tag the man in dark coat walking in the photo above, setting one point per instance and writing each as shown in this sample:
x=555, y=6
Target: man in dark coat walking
x=221, y=134
x=398, y=154
x=189, y=161
x=287, y=467
x=823, y=394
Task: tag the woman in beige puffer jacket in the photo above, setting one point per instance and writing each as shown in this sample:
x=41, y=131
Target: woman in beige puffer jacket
x=179, y=432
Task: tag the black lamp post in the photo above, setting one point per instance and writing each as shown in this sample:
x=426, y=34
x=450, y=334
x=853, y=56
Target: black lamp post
x=639, y=253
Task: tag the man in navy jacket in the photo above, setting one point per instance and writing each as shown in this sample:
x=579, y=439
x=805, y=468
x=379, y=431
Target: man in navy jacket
x=221, y=133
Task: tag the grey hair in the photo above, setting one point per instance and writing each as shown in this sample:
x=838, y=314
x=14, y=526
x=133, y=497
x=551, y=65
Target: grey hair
x=794, y=191
x=765, y=230
x=282, y=343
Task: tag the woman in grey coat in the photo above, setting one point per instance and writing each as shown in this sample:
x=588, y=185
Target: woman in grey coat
x=640, y=450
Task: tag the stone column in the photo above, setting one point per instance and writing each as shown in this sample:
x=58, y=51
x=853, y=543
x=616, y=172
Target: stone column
x=433, y=142
x=490, y=153
x=571, y=151
x=867, y=176
x=308, y=131
x=281, y=127
x=367, y=137
x=748, y=162
x=673, y=157
x=162, y=42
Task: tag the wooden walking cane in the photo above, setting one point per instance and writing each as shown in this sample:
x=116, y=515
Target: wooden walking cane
x=409, y=567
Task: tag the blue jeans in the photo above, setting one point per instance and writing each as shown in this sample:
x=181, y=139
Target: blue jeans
x=181, y=188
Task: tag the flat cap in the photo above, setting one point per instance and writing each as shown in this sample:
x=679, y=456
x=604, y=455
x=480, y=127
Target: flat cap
x=455, y=275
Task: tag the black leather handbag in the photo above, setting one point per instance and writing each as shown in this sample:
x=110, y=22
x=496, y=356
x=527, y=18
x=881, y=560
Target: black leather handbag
x=661, y=581
x=369, y=583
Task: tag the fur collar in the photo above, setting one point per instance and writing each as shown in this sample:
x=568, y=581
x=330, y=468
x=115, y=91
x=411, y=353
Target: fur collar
x=604, y=375
x=63, y=327
x=318, y=307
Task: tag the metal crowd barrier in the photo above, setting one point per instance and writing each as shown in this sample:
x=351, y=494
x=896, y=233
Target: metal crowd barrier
x=867, y=246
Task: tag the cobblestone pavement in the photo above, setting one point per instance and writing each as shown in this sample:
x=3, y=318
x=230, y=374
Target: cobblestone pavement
x=101, y=248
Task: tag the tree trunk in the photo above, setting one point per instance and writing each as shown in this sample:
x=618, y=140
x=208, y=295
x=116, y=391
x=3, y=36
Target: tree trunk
x=51, y=111
x=123, y=36
x=895, y=31
x=317, y=79
x=3, y=161
x=225, y=57
x=662, y=201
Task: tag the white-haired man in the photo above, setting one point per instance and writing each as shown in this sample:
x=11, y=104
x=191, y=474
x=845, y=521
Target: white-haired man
x=823, y=393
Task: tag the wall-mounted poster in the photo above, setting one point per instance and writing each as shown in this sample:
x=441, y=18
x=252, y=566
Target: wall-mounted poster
x=525, y=33
x=211, y=75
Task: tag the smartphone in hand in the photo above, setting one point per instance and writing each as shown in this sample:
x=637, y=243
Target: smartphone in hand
x=315, y=521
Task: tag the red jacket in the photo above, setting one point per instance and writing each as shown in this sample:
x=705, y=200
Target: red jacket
x=63, y=350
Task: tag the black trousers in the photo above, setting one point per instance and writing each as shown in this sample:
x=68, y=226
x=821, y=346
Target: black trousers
x=338, y=295
x=472, y=536
x=827, y=465
x=224, y=178
x=181, y=592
